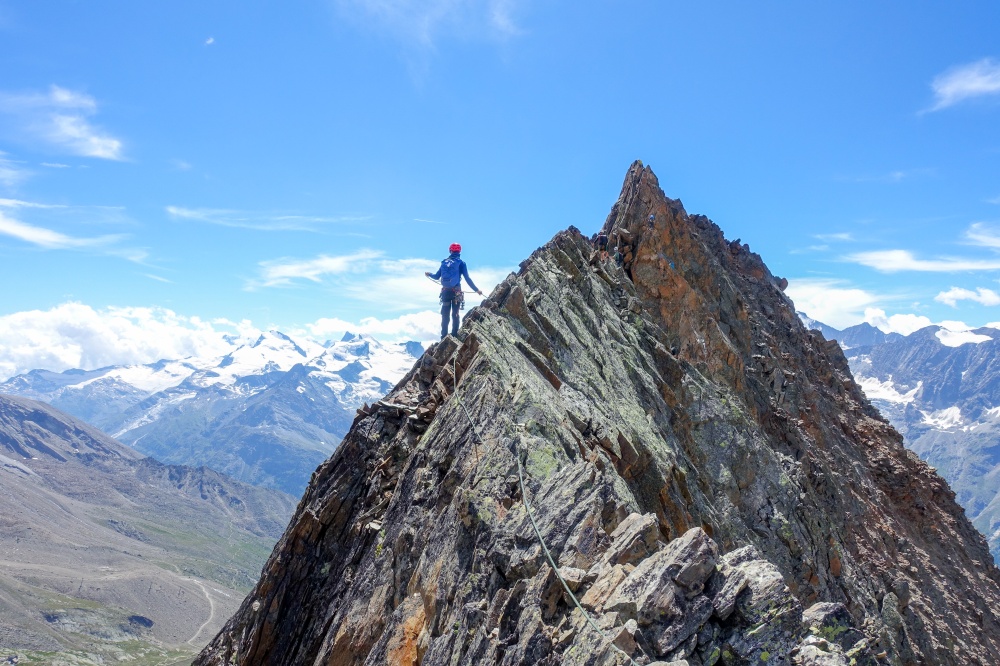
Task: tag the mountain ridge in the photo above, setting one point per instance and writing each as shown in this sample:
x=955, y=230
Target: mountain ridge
x=709, y=478
x=941, y=390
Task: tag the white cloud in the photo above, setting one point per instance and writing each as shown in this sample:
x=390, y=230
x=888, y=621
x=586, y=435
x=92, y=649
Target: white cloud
x=843, y=236
x=49, y=239
x=903, y=324
x=982, y=296
x=77, y=135
x=830, y=301
x=18, y=203
x=60, y=118
x=424, y=21
x=11, y=172
x=260, y=221
x=397, y=285
x=55, y=165
x=400, y=284
x=73, y=335
x=894, y=261
x=284, y=272
x=424, y=326
x=951, y=338
x=209, y=41
x=982, y=235
x=975, y=79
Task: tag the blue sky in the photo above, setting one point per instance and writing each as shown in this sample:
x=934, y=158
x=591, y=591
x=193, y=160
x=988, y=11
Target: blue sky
x=173, y=171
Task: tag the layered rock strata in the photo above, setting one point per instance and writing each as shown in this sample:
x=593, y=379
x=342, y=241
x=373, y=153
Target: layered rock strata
x=712, y=483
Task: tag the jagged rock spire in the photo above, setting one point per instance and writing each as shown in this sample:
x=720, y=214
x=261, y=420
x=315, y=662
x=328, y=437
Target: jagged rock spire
x=712, y=482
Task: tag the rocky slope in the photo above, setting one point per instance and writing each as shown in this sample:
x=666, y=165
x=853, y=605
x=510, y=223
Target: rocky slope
x=941, y=390
x=267, y=413
x=709, y=480
x=106, y=555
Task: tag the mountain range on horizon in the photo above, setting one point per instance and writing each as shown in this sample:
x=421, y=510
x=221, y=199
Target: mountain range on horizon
x=273, y=409
x=268, y=413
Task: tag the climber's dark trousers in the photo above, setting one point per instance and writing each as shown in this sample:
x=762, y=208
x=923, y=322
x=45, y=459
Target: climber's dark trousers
x=449, y=302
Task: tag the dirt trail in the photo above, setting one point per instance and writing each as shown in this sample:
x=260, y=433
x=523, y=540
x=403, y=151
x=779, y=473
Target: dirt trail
x=211, y=611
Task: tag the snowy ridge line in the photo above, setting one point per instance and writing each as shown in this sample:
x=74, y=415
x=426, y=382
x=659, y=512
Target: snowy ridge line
x=273, y=351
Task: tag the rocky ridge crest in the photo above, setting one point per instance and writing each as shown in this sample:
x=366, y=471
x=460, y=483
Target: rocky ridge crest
x=714, y=486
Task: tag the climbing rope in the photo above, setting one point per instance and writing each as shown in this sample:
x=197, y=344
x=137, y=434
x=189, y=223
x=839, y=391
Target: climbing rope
x=476, y=438
x=531, y=517
x=438, y=282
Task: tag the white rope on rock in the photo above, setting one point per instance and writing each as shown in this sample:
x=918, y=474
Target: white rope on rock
x=531, y=517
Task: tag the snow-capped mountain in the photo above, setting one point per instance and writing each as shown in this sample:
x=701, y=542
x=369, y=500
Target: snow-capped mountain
x=940, y=388
x=268, y=412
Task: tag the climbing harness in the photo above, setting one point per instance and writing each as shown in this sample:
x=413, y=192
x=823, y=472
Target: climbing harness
x=458, y=297
x=531, y=517
x=459, y=293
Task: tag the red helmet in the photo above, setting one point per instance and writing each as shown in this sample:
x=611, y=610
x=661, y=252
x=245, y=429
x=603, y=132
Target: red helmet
x=454, y=247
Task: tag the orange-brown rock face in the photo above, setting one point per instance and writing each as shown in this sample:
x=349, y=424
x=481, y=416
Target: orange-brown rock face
x=711, y=483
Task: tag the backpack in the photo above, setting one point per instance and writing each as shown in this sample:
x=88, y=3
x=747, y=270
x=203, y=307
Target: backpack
x=451, y=272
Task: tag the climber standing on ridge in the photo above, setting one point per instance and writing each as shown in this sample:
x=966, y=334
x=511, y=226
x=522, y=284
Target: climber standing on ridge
x=452, y=270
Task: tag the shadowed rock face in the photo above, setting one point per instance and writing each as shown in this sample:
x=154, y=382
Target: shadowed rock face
x=710, y=480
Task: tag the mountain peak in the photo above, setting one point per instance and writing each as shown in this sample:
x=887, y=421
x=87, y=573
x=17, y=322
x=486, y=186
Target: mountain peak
x=664, y=438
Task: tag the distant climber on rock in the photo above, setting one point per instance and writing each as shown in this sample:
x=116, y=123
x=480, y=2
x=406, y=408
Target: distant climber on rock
x=451, y=272
x=601, y=245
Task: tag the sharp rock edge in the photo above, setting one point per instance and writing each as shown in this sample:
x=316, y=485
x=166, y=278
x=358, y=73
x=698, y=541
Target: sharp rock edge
x=705, y=470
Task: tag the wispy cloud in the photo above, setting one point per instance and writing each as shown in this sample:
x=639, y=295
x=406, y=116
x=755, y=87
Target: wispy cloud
x=982, y=296
x=158, y=278
x=894, y=176
x=810, y=248
x=980, y=234
x=259, y=221
x=895, y=261
x=61, y=118
x=285, y=272
x=49, y=239
x=843, y=236
x=964, y=82
x=422, y=22
x=14, y=225
x=18, y=203
x=368, y=276
x=11, y=173
x=209, y=41
x=55, y=165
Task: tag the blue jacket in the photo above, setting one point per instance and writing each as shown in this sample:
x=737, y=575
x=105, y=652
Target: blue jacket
x=449, y=276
